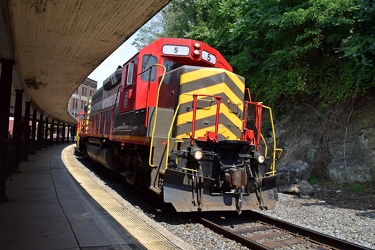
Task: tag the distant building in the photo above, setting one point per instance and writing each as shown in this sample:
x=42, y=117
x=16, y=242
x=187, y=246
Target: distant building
x=81, y=96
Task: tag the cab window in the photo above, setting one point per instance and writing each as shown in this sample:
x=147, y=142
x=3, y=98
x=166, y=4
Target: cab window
x=129, y=77
x=169, y=65
x=147, y=62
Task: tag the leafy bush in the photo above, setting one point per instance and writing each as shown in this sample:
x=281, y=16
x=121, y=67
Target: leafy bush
x=290, y=51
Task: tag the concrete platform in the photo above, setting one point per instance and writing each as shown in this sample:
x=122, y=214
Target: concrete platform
x=48, y=209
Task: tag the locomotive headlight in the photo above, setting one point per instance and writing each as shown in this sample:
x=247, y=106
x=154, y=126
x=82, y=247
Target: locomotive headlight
x=197, y=153
x=196, y=52
x=260, y=158
x=197, y=48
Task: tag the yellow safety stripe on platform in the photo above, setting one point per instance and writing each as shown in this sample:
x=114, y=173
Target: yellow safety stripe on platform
x=128, y=218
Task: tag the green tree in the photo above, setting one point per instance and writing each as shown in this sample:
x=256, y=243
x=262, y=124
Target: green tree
x=359, y=47
x=174, y=20
x=289, y=51
x=151, y=31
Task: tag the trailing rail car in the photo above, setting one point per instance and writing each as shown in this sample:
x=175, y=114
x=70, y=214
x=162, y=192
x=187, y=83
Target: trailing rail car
x=174, y=119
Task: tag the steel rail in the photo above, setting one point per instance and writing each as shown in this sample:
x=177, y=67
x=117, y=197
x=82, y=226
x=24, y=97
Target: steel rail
x=305, y=232
x=326, y=241
x=230, y=234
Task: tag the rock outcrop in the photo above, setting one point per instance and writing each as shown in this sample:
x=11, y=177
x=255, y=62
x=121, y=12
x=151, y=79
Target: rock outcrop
x=337, y=144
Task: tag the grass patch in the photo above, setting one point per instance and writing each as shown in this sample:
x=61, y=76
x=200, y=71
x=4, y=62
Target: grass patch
x=357, y=187
x=329, y=184
x=344, y=185
x=313, y=179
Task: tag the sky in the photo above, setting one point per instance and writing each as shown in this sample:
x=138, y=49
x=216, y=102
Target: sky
x=118, y=57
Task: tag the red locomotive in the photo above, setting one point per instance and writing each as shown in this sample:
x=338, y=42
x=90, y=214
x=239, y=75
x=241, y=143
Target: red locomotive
x=173, y=118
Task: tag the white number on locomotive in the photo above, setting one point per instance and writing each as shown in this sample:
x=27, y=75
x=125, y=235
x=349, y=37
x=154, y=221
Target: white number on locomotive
x=176, y=50
x=208, y=57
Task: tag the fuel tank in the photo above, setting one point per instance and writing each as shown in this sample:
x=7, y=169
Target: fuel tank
x=104, y=156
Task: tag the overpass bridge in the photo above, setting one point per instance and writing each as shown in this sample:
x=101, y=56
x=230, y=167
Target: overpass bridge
x=47, y=49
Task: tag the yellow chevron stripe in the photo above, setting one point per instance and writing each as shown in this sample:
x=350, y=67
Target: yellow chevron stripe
x=202, y=132
x=188, y=96
x=213, y=90
x=210, y=111
x=199, y=74
x=232, y=116
x=207, y=72
x=237, y=81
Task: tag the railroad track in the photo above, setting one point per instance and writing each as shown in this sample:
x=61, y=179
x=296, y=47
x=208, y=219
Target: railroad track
x=264, y=232
x=260, y=232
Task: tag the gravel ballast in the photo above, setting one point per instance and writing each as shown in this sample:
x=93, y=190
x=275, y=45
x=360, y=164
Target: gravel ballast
x=357, y=226
x=344, y=214
x=348, y=224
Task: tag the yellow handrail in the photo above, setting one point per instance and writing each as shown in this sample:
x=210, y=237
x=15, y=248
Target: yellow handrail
x=189, y=169
x=156, y=114
x=273, y=164
x=265, y=144
x=170, y=131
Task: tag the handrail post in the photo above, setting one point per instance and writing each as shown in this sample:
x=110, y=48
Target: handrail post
x=218, y=98
x=194, y=120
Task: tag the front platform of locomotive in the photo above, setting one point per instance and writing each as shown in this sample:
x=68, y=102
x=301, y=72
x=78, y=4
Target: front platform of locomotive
x=216, y=161
x=220, y=176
